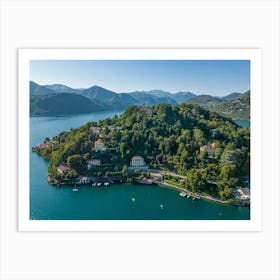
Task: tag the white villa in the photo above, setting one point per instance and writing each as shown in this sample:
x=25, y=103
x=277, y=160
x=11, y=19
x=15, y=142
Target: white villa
x=137, y=164
x=93, y=162
x=137, y=161
x=99, y=146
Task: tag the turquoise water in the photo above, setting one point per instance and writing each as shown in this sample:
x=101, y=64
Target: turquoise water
x=114, y=202
x=243, y=123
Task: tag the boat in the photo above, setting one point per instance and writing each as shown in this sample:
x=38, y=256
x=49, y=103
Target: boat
x=188, y=196
x=106, y=184
x=183, y=194
x=133, y=199
x=99, y=184
x=193, y=198
x=75, y=189
x=94, y=184
x=161, y=206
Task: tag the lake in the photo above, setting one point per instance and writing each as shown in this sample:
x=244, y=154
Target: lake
x=117, y=202
x=243, y=123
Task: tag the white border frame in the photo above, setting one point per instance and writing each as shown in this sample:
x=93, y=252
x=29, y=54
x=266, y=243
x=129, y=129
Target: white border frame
x=254, y=55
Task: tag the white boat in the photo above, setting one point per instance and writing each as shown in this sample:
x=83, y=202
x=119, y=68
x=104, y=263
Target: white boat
x=193, y=198
x=133, y=199
x=161, y=206
x=106, y=184
x=99, y=184
x=188, y=196
x=75, y=189
x=183, y=194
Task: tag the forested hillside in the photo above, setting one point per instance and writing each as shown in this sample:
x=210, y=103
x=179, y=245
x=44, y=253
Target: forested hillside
x=210, y=150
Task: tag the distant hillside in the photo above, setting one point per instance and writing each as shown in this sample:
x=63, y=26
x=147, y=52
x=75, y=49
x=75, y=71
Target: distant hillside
x=206, y=101
x=234, y=105
x=110, y=99
x=36, y=89
x=62, y=103
x=62, y=88
x=95, y=98
x=148, y=99
x=232, y=96
x=182, y=97
x=237, y=109
x=101, y=97
x=154, y=97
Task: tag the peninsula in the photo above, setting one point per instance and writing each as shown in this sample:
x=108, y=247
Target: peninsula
x=183, y=146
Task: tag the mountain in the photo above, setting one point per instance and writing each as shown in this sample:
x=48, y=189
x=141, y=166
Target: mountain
x=63, y=88
x=234, y=105
x=145, y=98
x=108, y=98
x=232, y=96
x=155, y=92
x=154, y=97
x=98, y=93
x=36, y=89
x=113, y=100
x=238, y=109
x=206, y=101
x=62, y=103
x=182, y=97
x=96, y=98
x=235, y=95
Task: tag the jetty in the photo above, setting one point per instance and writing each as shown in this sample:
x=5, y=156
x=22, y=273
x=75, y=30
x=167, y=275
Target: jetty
x=144, y=181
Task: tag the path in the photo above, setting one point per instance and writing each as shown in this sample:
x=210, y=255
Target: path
x=210, y=198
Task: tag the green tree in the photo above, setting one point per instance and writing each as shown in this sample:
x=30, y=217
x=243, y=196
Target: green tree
x=76, y=162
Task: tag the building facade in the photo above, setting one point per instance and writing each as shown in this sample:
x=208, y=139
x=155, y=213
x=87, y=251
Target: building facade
x=137, y=161
x=137, y=165
x=62, y=169
x=99, y=146
x=93, y=162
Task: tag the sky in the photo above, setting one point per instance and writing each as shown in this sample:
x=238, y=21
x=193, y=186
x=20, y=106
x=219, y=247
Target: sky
x=213, y=77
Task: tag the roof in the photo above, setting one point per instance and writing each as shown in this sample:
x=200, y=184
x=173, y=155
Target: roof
x=98, y=142
x=94, y=160
x=156, y=174
x=245, y=191
x=63, y=168
x=137, y=158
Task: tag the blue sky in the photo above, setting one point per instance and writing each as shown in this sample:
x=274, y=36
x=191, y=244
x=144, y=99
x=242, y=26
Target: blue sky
x=214, y=77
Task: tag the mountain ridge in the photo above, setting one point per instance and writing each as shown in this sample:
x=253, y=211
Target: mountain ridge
x=43, y=98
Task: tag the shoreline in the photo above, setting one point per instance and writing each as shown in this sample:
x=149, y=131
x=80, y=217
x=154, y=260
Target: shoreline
x=160, y=184
x=199, y=196
x=192, y=194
